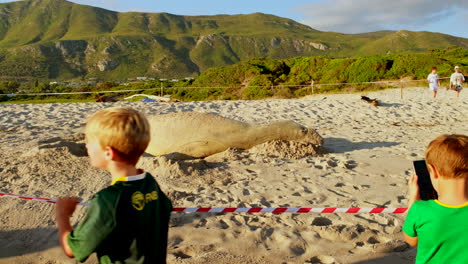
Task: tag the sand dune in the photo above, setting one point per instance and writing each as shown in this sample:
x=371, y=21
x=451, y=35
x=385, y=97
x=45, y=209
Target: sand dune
x=368, y=164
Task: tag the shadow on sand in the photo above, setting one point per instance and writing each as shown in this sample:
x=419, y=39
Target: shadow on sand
x=19, y=242
x=341, y=145
x=381, y=104
x=406, y=257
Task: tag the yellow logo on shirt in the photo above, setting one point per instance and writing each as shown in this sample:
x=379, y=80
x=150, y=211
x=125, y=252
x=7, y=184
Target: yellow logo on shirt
x=139, y=199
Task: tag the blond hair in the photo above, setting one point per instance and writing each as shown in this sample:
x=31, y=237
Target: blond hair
x=124, y=129
x=449, y=154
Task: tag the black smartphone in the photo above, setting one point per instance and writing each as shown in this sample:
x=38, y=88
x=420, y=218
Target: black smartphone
x=426, y=189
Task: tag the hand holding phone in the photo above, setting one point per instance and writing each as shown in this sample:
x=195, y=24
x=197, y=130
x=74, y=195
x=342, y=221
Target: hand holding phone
x=413, y=190
x=426, y=190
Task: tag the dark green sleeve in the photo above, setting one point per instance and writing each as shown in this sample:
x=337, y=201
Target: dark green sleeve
x=97, y=224
x=411, y=221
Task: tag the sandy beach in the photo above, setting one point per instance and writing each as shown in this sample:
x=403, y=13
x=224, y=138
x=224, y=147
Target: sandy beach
x=369, y=162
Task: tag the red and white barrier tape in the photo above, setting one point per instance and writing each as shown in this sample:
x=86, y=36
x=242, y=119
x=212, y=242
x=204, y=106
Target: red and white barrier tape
x=33, y=198
x=302, y=210
x=250, y=210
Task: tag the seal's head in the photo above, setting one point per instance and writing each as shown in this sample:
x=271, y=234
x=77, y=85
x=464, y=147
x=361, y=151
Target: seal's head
x=313, y=136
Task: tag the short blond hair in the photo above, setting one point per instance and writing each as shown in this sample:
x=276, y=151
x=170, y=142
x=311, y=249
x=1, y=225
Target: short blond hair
x=124, y=129
x=449, y=154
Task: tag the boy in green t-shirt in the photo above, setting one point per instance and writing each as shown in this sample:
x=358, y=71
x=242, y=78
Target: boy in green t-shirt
x=439, y=227
x=128, y=221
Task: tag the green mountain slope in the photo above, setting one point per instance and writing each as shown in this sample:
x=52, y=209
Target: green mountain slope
x=56, y=39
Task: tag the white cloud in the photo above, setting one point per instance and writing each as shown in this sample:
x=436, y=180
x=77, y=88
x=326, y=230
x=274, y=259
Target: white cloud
x=356, y=16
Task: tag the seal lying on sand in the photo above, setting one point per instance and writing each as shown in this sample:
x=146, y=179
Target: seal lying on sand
x=200, y=135
x=373, y=102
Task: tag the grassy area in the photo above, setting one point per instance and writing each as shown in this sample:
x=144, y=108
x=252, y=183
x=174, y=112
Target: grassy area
x=258, y=75
x=261, y=78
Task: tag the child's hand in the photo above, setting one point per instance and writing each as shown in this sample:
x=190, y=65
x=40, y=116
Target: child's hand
x=66, y=206
x=63, y=211
x=413, y=190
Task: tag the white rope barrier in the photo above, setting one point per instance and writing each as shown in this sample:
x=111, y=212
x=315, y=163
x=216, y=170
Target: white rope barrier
x=91, y=92
x=218, y=87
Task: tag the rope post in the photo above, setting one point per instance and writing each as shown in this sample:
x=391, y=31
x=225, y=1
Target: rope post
x=401, y=89
x=312, y=86
x=162, y=90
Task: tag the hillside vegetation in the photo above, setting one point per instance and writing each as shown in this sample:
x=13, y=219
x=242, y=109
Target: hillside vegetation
x=261, y=78
x=56, y=39
x=285, y=78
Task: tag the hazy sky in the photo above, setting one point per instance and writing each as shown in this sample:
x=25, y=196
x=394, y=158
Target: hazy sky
x=347, y=16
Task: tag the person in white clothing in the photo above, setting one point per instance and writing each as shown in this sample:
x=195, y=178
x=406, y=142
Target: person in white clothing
x=456, y=81
x=434, y=82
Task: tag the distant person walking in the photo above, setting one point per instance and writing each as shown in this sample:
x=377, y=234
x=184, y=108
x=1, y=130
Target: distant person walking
x=456, y=81
x=434, y=82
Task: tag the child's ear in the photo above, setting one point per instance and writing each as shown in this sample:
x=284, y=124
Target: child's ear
x=109, y=153
x=433, y=171
x=112, y=154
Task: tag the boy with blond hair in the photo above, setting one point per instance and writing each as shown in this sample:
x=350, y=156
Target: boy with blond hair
x=439, y=227
x=456, y=80
x=126, y=222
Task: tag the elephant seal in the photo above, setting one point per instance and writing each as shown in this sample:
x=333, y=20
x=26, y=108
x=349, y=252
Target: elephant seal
x=199, y=135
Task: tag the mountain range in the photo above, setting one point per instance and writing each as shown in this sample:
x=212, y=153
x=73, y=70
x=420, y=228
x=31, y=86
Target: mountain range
x=57, y=39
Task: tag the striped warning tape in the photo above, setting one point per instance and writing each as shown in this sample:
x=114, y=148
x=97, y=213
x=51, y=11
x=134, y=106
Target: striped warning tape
x=302, y=210
x=32, y=198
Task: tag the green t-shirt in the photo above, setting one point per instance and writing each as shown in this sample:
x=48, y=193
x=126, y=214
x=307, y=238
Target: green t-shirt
x=442, y=231
x=126, y=222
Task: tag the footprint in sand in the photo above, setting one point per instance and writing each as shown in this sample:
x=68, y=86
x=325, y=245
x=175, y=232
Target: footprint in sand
x=297, y=250
x=175, y=242
x=201, y=223
x=223, y=225
x=321, y=221
x=180, y=255
x=318, y=199
x=264, y=202
x=390, y=246
x=322, y=260
x=373, y=240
